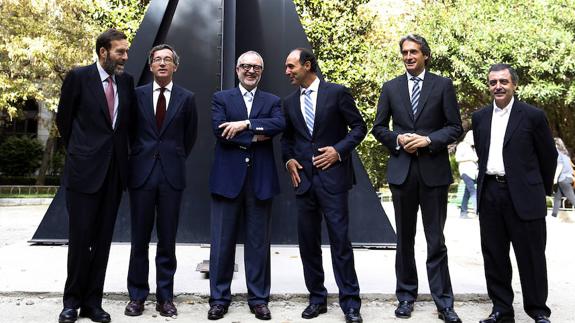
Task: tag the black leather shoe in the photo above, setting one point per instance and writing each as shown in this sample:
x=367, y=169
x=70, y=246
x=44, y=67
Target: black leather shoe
x=217, y=311
x=352, y=316
x=167, y=308
x=404, y=309
x=68, y=315
x=542, y=319
x=134, y=308
x=313, y=310
x=261, y=311
x=96, y=314
x=498, y=317
x=448, y=315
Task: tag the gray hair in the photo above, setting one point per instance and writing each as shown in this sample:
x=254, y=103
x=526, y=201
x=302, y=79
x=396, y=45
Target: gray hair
x=160, y=47
x=560, y=145
x=502, y=67
x=249, y=52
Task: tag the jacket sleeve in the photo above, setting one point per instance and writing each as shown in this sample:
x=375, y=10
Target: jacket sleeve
x=354, y=121
x=243, y=139
x=67, y=106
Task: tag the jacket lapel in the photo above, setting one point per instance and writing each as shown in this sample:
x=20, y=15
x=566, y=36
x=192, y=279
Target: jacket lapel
x=238, y=101
x=319, y=106
x=97, y=89
x=427, y=86
x=257, y=105
x=514, y=120
x=486, y=127
x=404, y=94
x=146, y=106
x=296, y=103
x=174, y=106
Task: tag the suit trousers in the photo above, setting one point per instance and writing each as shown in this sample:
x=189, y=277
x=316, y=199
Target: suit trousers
x=407, y=198
x=500, y=226
x=315, y=204
x=92, y=219
x=155, y=200
x=228, y=215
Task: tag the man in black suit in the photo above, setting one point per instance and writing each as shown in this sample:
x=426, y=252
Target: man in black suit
x=426, y=119
x=243, y=182
x=317, y=147
x=93, y=119
x=517, y=159
x=163, y=134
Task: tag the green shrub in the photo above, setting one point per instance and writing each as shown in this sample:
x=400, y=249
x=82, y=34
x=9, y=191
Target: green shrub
x=20, y=156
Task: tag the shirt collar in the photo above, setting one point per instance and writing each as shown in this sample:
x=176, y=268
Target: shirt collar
x=314, y=86
x=504, y=111
x=168, y=87
x=103, y=74
x=421, y=75
x=243, y=90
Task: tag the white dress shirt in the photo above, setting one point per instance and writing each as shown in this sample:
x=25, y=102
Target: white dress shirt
x=314, y=86
x=104, y=78
x=247, y=100
x=167, y=94
x=500, y=118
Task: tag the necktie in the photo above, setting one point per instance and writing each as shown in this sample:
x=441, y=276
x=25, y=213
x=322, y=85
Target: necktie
x=161, y=108
x=249, y=98
x=309, y=113
x=110, y=97
x=415, y=94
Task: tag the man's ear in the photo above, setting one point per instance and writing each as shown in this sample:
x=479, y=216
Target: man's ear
x=102, y=52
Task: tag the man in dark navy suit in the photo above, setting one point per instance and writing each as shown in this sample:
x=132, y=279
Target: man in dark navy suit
x=243, y=182
x=323, y=126
x=93, y=119
x=517, y=160
x=163, y=134
x=426, y=119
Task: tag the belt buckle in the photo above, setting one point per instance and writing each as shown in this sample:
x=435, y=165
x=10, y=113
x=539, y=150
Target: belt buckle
x=500, y=179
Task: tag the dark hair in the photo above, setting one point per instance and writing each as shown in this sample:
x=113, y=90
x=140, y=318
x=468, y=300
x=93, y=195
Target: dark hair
x=160, y=47
x=105, y=39
x=422, y=43
x=501, y=67
x=306, y=55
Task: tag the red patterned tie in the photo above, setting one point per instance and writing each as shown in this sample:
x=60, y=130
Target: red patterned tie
x=161, y=108
x=110, y=98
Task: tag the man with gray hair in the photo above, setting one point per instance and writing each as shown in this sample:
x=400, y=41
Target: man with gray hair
x=426, y=119
x=163, y=134
x=243, y=182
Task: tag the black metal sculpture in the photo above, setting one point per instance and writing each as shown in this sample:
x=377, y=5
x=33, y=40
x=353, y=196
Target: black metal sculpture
x=209, y=35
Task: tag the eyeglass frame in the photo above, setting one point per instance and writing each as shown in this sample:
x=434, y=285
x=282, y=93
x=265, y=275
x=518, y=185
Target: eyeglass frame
x=248, y=67
x=165, y=60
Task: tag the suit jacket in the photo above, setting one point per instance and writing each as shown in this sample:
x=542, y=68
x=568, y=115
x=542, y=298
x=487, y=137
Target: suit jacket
x=437, y=117
x=84, y=123
x=335, y=113
x=169, y=145
x=529, y=156
x=232, y=156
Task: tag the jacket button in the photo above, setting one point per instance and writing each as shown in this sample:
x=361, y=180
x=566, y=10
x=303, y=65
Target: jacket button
x=247, y=159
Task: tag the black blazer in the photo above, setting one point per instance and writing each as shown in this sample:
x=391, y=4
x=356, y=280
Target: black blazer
x=171, y=144
x=85, y=126
x=338, y=123
x=529, y=156
x=437, y=117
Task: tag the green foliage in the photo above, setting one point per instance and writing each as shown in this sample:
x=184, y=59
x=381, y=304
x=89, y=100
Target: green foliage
x=41, y=40
x=20, y=156
x=535, y=37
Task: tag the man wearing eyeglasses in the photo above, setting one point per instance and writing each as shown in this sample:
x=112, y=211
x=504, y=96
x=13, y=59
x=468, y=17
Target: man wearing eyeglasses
x=243, y=182
x=163, y=133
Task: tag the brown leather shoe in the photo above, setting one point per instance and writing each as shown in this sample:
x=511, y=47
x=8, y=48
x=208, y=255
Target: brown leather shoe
x=134, y=308
x=261, y=311
x=217, y=311
x=167, y=308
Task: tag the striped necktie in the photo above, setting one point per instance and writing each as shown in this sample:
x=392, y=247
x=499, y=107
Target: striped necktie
x=309, y=113
x=415, y=94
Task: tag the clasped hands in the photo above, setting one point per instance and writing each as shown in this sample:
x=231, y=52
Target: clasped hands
x=232, y=128
x=327, y=157
x=410, y=142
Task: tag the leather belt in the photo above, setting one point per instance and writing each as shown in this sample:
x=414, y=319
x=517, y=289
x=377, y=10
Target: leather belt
x=497, y=178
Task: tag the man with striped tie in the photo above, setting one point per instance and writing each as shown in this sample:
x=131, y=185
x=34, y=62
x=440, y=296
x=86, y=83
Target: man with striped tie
x=426, y=119
x=323, y=126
